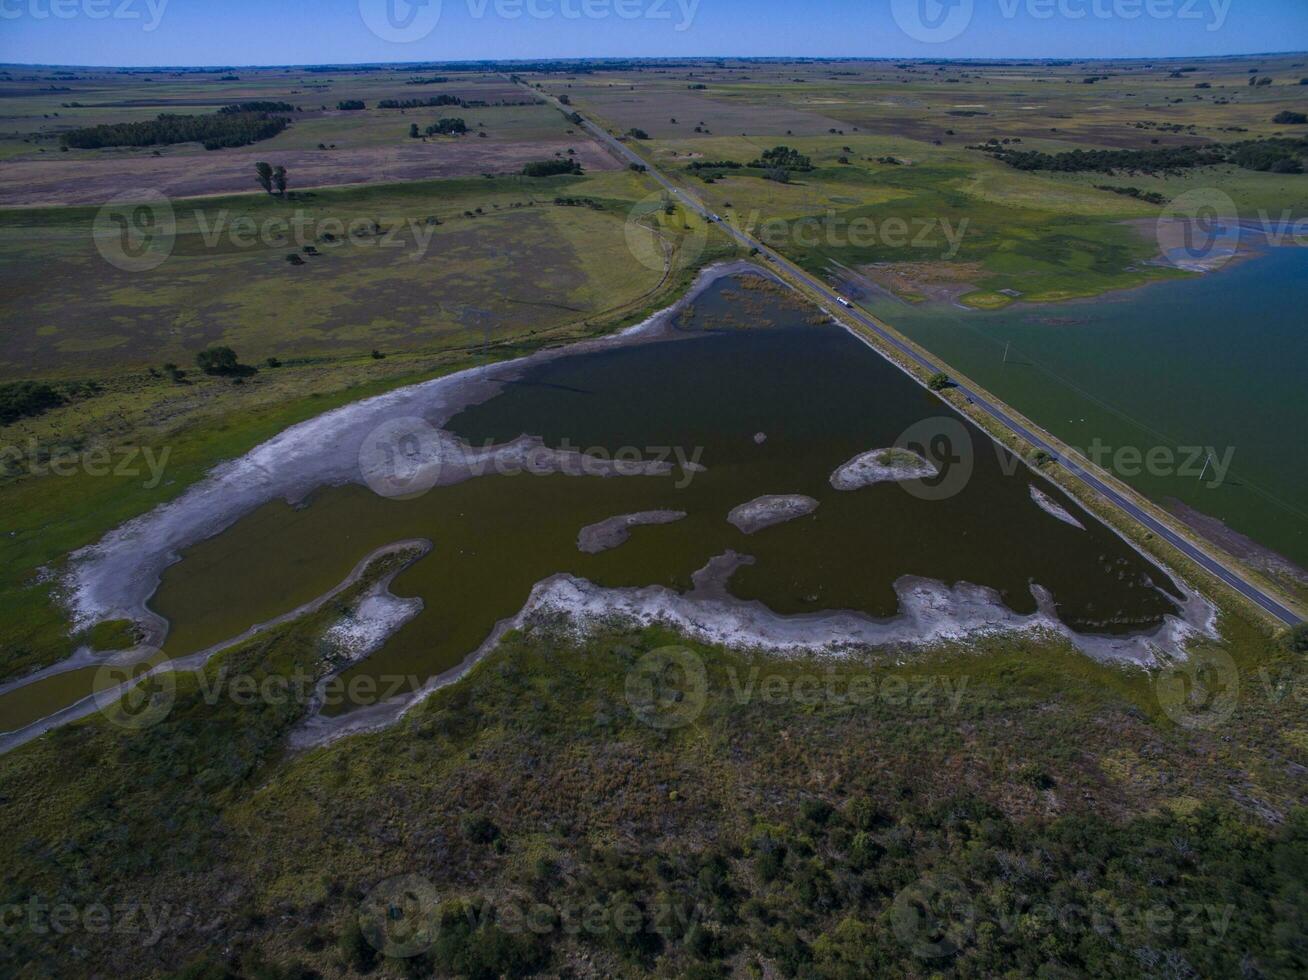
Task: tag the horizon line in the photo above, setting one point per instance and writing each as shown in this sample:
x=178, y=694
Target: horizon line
x=575, y=59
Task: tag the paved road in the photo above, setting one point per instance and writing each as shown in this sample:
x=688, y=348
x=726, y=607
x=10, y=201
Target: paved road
x=1196, y=554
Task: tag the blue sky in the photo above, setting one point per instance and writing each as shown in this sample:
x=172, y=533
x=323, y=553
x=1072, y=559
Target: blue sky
x=247, y=32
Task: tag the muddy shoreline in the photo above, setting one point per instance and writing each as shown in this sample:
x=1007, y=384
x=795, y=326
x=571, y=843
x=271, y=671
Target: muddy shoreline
x=89, y=705
x=115, y=577
x=931, y=614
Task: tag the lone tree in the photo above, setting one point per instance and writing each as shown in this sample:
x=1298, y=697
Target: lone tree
x=264, y=174
x=279, y=179
x=939, y=381
x=222, y=361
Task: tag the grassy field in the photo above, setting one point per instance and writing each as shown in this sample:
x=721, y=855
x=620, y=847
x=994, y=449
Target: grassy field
x=325, y=145
x=400, y=266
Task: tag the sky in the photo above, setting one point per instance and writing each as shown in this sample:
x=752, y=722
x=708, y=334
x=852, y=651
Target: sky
x=281, y=32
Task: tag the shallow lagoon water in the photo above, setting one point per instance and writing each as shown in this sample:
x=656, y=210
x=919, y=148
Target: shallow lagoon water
x=750, y=361
x=1206, y=361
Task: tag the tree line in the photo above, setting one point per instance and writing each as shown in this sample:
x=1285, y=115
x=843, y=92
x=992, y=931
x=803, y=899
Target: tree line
x=551, y=168
x=1275, y=155
x=215, y=132
x=419, y=103
x=238, y=107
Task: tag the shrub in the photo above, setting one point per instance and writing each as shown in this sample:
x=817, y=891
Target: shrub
x=222, y=361
x=551, y=168
x=479, y=828
x=24, y=399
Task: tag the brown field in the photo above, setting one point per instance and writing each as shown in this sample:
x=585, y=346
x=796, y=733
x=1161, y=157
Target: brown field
x=95, y=180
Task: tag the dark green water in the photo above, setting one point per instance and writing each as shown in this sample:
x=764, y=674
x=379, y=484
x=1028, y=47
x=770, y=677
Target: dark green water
x=818, y=394
x=1215, y=361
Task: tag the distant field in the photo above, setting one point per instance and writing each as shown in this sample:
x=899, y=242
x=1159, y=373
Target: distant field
x=522, y=260
x=324, y=146
x=894, y=142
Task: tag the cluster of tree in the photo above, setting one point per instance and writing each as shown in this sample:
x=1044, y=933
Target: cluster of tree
x=271, y=179
x=215, y=132
x=714, y=165
x=238, y=107
x=1270, y=156
x=435, y=100
x=351, y=104
x=579, y=202
x=223, y=362
x=24, y=399
x=783, y=157
x=1151, y=197
x=447, y=127
x=1276, y=155
x=637, y=133
x=1288, y=118
x=551, y=168
x=433, y=80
